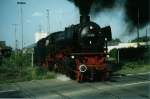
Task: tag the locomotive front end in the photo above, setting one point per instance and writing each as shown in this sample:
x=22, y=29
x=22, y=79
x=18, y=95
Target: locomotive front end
x=91, y=59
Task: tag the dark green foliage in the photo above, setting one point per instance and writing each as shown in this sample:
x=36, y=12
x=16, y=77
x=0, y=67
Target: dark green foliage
x=113, y=53
x=134, y=54
x=131, y=54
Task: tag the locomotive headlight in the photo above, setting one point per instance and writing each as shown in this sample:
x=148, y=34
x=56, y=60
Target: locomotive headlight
x=90, y=42
x=91, y=27
x=82, y=68
x=72, y=57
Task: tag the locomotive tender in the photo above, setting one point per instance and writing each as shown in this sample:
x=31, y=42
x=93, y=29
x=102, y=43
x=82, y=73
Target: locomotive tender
x=79, y=51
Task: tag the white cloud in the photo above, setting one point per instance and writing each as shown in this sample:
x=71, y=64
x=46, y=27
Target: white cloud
x=37, y=14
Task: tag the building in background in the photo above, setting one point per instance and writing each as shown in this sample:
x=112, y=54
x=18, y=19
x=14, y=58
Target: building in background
x=40, y=35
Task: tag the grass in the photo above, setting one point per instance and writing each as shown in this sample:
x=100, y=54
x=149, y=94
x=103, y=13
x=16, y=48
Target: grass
x=18, y=68
x=134, y=68
x=40, y=73
x=35, y=73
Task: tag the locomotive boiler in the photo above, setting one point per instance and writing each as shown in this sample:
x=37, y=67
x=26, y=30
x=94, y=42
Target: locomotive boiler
x=79, y=51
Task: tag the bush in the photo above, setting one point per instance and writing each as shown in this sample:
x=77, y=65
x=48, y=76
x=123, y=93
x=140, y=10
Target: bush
x=113, y=53
x=141, y=54
x=18, y=68
x=40, y=73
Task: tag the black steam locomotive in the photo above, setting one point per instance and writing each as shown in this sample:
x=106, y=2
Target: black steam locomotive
x=79, y=51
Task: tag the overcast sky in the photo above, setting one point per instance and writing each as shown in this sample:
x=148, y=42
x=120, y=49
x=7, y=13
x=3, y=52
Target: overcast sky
x=62, y=14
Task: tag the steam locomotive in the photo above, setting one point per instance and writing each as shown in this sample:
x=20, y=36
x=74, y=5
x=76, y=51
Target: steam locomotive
x=79, y=51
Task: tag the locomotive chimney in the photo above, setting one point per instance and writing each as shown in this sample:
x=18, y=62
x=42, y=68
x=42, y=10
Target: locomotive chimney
x=84, y=19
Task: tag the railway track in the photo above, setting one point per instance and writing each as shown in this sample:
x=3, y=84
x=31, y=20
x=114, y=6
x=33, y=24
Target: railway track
x=126, y=86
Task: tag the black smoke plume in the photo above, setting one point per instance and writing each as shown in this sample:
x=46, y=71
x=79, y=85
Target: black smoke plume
x=136, y=11
x=99, y=5
x=83, y=5
x=95, y=5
